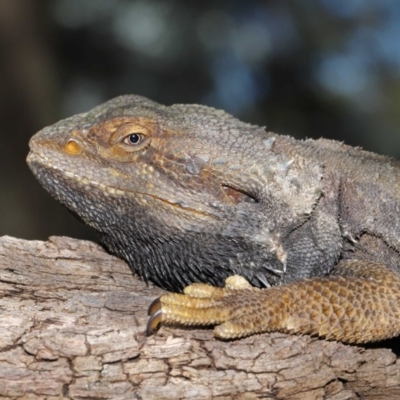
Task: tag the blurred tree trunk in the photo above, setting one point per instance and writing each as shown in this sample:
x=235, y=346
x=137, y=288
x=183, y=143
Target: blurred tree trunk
x=28, y=86
x=28, y=101
x=72, y=324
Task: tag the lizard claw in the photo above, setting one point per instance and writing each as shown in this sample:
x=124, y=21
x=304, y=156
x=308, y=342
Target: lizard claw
x=154, y=306
x=154, y=321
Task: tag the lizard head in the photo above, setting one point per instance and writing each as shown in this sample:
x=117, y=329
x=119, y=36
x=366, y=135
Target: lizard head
x=183, y=193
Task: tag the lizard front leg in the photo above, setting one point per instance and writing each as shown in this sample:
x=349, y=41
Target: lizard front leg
x=359, y=303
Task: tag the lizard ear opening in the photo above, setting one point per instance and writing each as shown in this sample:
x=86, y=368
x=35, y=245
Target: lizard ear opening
x=238, y=196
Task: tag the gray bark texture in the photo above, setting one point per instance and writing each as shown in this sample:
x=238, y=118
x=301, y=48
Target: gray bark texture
x=72, y=327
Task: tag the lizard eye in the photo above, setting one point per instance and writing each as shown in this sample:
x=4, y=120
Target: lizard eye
x=133, y=139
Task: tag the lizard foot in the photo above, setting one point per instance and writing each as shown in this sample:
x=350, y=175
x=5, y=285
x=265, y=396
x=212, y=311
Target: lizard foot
x=355, y=306
x=201, y=305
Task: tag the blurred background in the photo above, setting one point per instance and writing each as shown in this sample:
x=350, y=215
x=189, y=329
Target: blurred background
x=307, y=68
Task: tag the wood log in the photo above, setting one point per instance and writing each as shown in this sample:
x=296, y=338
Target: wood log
x=72, y=326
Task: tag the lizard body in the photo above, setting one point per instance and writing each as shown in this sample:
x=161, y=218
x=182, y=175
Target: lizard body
x=187, y=193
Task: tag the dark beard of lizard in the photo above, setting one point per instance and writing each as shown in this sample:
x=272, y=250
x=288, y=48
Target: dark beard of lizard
x=175, y=260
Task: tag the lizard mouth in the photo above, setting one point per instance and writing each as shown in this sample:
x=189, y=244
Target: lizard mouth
x=41, y=160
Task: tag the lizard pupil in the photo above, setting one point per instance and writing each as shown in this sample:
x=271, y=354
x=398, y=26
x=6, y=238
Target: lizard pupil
x=134, y=138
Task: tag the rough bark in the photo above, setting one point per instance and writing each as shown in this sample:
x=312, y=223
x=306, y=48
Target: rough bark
x=72, y=326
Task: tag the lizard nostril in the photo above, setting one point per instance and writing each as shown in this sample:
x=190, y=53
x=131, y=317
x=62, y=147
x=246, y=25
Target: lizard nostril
x=72, y=147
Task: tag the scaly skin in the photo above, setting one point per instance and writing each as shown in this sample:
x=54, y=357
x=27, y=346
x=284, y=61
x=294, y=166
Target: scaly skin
x=349, y=309
x=187, y=193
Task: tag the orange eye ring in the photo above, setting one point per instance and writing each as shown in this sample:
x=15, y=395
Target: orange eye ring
x=73, y=147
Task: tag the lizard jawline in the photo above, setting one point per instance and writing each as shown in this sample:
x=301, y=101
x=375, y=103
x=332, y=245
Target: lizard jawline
x=44, y=161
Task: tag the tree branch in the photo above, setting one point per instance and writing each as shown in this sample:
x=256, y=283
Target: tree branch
x=72, y=326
